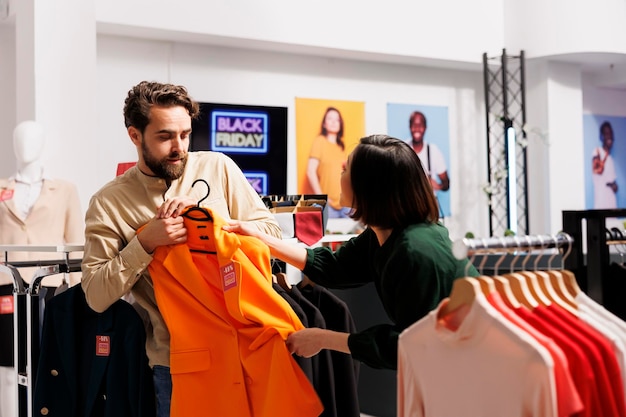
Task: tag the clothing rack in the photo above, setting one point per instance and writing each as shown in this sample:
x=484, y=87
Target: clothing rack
x=27, y=313
x=589, y=270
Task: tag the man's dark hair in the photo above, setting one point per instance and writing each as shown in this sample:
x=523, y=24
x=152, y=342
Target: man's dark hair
x=146, y=94
x=414, y=115
x=389, y=185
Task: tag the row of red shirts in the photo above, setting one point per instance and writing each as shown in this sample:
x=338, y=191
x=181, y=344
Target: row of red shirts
x=587, y=344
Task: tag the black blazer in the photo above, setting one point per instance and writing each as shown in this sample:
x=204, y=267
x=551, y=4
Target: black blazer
x=92, y=364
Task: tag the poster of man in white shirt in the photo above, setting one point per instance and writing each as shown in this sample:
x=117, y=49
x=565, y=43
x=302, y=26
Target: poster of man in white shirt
x=605, y=176
x=425, y=129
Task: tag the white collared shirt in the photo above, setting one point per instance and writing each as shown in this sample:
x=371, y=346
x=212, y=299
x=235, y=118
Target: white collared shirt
x=26, y=193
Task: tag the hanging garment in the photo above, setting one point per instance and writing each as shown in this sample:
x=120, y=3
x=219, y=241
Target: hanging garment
x=56, y=218
x=600, y=353
x=306, y=364
x=345, y=369
x=612, y=327
x=322, y=363
x=472, y=363
x=92, y=364
x=568, y=399
x=227, y=326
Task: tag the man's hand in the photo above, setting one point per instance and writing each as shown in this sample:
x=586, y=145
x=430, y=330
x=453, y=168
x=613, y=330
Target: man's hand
x=160, y=232
x=173, y=207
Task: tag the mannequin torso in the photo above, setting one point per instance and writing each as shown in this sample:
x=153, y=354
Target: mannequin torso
x=36, y=209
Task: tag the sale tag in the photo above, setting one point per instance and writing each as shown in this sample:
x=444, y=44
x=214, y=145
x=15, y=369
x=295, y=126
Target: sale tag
x=6, y=195
x=228, y=276
x=6, y=304
x=103, y=345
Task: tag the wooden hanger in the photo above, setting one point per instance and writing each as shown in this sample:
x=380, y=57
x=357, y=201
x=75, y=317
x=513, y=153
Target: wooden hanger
x=569, y=279
x=556, y=283
x=516, y=293
x=463, y=293
x=305, y=281
x=532, y=280
x=503, y=287
x=487, y=285
x=281, y=279
x=521, y=289
x=541, y=286
x=502, y=284
x=545, y=283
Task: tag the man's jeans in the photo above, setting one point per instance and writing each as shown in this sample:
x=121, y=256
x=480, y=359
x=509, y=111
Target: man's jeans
x=162, y=389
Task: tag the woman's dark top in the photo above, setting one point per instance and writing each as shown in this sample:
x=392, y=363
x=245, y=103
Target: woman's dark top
x=412, y=271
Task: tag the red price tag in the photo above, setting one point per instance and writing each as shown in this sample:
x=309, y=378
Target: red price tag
x=228, y=276
x=6, y=195
x=6, y=304
x=103, y=345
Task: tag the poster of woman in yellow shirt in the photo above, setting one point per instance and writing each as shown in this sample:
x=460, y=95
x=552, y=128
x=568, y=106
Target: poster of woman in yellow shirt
x=326, y=132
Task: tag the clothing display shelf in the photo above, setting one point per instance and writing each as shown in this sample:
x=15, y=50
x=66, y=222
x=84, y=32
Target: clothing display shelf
x=27, y=311
x=590, y=269
x=546, y=247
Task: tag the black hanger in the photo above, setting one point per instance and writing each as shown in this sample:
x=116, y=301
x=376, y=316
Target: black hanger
x=204, y=215
x=200, y=214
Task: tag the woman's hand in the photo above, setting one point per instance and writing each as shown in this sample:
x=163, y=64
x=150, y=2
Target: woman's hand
x=242, y=228
x=306, y=342
x=288, y=252
x=309, y=342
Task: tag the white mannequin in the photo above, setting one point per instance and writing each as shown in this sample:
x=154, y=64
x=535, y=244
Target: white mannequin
x=28, y=143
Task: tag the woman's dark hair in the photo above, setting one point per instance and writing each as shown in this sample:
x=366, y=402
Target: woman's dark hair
x=146, y=94
x=389, y=185
x=324, y=132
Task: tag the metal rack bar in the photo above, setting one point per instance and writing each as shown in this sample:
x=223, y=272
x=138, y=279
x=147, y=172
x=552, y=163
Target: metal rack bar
x=463, y=248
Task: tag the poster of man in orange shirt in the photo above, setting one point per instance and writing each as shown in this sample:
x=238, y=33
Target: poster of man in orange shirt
x=326, y=132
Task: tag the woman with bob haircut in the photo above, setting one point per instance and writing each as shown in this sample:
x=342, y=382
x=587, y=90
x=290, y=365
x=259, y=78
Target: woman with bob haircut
x=404, y=251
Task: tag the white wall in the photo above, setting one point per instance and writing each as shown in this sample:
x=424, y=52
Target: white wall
x=606, y=101
x=7, y=101
x=453, y=30
x=556, y=27
x=218, y=74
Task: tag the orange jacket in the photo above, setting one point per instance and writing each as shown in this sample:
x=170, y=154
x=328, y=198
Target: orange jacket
x=227, y=326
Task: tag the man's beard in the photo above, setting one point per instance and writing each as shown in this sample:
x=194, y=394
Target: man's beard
x=162, y=168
